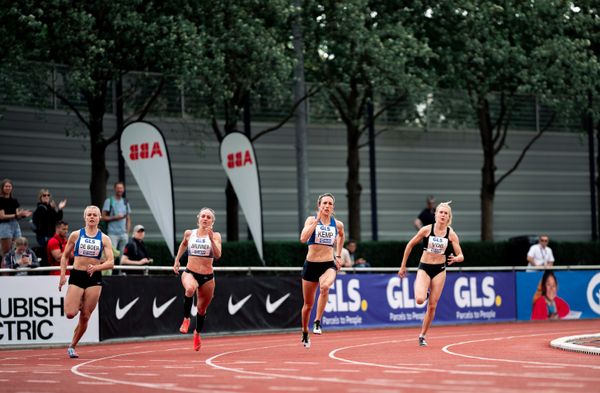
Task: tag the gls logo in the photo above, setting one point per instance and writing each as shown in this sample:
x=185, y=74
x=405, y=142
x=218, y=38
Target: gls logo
x=466, y=292
x=239, y=159
x=336, y=300
x=398, y=293
x=142, y=151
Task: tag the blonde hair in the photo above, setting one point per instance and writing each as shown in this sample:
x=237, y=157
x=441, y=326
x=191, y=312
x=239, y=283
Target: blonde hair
x=211, y=212
x=91, y=207
x=446, y=205
x=41, y=192
x=21, y=241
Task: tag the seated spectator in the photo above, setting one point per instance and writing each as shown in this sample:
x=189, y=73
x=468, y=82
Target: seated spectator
x=135, y=252
x=549, y=305
x=20, y=257
x=349, y=256
x=56, y=246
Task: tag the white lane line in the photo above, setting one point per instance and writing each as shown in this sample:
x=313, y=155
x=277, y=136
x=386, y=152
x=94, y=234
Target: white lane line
x=4, y=380
x=94, y=383
x=495, y=340
x=403, y=371
x=301, y=363
x=45, y=372
x=41, y=381
x=9, y=371
x=477, y=365
x=475, y=382
x=338, y=370
x=195, y=375
x=253, y=377
x=179, y=367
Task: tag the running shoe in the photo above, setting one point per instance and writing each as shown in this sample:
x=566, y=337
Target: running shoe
x=185, y=325
x=317, y=327
x=71, y=352
x=197, y=341
x=422, y=341
x=305, y=340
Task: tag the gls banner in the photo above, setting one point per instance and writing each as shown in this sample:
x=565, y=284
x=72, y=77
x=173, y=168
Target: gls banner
x=138, y=306
x=145, y=152
x=388, y=300
x=580, y=289
x=32, y=312
x=240, y=165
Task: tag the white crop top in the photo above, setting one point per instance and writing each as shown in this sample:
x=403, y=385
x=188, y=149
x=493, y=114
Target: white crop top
x=199, y=246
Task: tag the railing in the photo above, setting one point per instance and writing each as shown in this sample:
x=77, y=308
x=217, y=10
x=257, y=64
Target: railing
x=272, y=269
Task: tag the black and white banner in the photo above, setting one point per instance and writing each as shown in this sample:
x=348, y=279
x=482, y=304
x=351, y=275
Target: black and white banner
x=141, y=306
x=32, y=312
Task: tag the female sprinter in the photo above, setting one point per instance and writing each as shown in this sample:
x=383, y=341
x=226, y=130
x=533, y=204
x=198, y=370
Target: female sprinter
x=324, y=235
x=431, y=275
x=203, y=247
x=85, y=281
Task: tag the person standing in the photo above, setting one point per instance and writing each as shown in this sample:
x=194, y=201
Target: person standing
x=9, y=214
x=203, y=246
x=427, y=215
x=117, y=213
x=135, y=252
x=325, y=238
x=439, y=242
x=56, y=246
x=85, y=281
x=45, y=217
x=540, y=254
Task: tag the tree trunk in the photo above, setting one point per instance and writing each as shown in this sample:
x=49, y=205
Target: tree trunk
x=488, y=171
x=99, y=175
x=353, y=187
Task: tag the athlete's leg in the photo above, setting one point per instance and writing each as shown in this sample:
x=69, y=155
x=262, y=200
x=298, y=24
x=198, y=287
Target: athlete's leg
x=309, y=292
x=325, y=283
x=89, y=303
x=437, y=285
x=422, y=283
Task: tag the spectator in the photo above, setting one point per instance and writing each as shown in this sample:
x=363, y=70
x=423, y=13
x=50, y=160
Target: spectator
x=56, y=246
x=549, y=305
x=349, y=254
x=21, y=257
x=9, y=214
x=135, y=252
x=540, y=254
x=117, y=213
x=427, y=215
x=46, y=216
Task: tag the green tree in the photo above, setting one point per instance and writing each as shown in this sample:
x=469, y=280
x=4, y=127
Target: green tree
x=496, y=50
x=247, y=56
x=98, y=43
x=360, y=50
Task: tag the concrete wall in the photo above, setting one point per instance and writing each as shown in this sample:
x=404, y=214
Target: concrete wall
x=548, y=193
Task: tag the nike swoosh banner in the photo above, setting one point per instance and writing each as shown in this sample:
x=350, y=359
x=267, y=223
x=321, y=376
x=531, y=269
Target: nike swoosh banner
x=145, y=152
x=239, y=161
x=240, y=304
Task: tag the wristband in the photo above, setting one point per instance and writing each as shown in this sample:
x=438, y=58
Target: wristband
x=338, y=256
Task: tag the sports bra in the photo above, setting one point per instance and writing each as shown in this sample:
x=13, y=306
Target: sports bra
x=199, y=246
x=324, y=234
x=436, y=244
x=90, y=247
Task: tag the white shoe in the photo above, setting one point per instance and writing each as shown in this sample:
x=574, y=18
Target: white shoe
x=305, y=340
x=317, y=327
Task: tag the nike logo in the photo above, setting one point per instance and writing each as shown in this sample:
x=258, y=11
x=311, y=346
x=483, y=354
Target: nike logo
x=120, y=312
x=158, y=311
x=233, y=308
x=272, y=307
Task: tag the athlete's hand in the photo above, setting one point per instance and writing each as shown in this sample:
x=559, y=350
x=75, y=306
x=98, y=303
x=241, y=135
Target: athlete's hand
x=210, y=233
x=61, y=282
x=91, y=269
x=176, y=267
x=402, y=272
x=451, y=259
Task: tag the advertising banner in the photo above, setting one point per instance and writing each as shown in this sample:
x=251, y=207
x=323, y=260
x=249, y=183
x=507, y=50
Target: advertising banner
x=580, y=289
x=145, y=152
x=368, y=300
x=138, y=306
x=32, y=312
x=240, y=165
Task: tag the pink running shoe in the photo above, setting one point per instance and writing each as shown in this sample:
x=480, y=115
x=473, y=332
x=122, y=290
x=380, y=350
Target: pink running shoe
x=196, y=341
x=185, y=325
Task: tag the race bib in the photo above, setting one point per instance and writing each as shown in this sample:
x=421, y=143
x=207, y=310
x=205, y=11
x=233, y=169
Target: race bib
x=89, y=247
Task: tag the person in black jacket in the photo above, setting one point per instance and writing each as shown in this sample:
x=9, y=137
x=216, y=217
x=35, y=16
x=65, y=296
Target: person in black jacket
x=135, y=252
x=45, y=217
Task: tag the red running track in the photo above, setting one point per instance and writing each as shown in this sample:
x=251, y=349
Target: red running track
x=493, y=358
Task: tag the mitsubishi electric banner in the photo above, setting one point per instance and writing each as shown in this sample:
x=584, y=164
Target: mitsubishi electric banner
x=360, y=300
x=239, y=161
x=145, y=152
x=32, y=312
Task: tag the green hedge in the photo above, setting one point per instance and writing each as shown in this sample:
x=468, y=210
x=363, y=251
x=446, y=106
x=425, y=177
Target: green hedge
x=389, y=253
